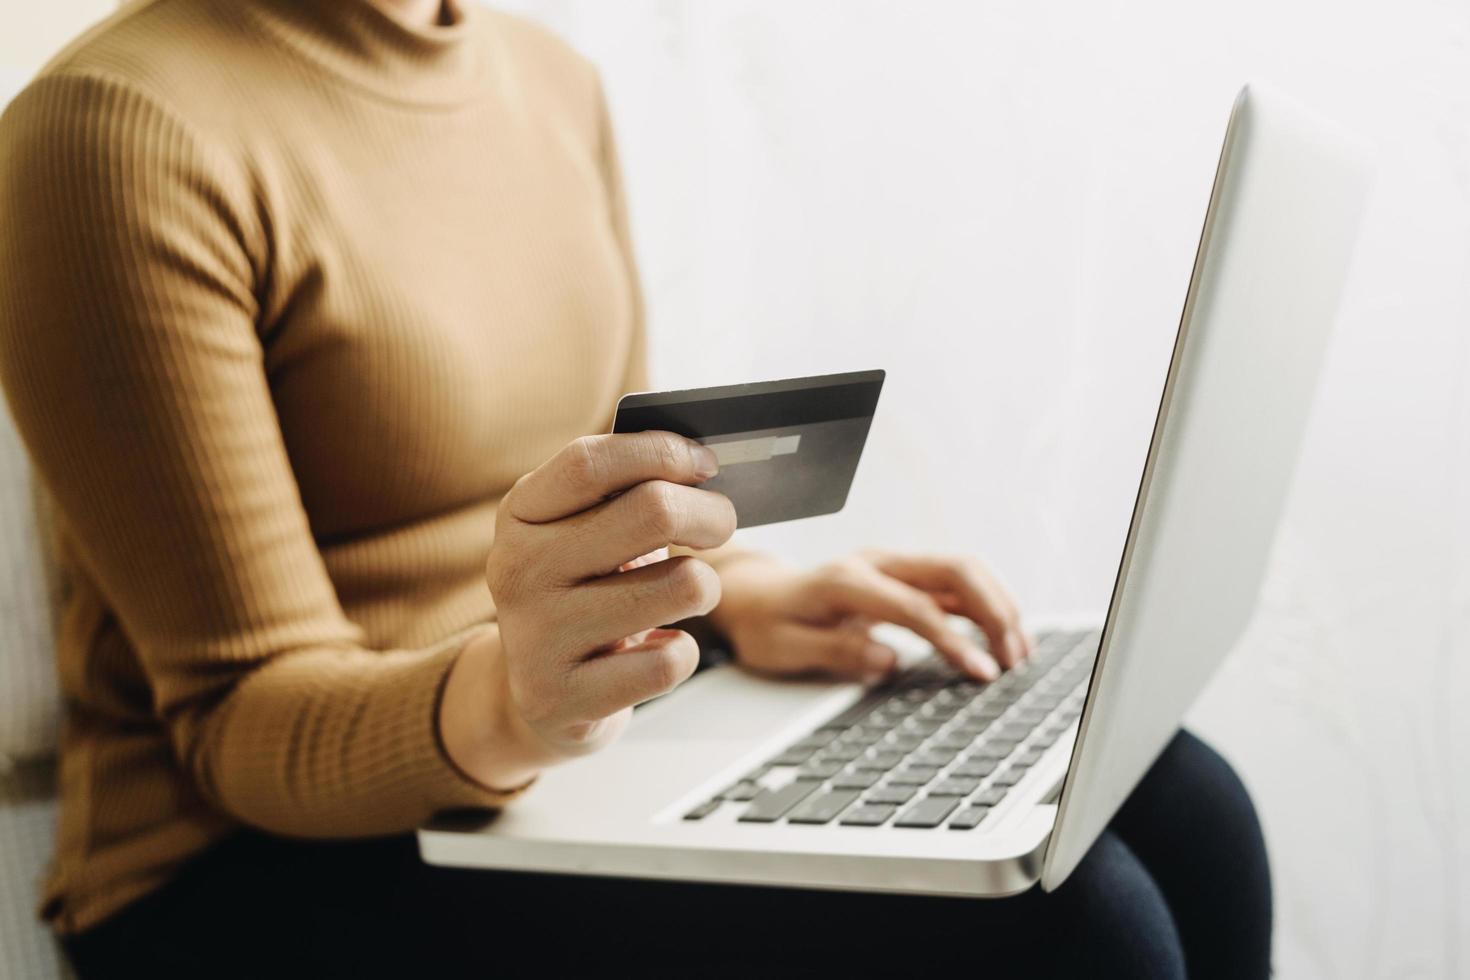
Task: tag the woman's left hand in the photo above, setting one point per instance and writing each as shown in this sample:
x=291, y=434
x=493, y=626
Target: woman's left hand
x=783, y=621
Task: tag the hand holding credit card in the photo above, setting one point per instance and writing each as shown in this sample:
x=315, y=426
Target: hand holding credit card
x=787, y=449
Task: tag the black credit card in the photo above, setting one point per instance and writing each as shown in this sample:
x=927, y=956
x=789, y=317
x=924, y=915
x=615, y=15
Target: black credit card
x=787, y=449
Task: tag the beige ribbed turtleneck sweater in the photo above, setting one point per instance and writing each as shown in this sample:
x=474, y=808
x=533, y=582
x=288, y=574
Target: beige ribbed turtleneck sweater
x=290, y=294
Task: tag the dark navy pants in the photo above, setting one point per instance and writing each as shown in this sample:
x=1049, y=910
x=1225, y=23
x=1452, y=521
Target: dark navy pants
x=1178, y=886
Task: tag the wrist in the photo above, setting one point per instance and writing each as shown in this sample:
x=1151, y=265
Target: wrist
x=482, y=733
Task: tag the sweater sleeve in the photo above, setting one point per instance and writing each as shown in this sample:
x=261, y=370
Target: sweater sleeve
x=131, y=258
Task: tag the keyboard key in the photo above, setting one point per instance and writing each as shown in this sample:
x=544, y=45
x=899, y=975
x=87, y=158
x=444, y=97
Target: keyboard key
x=746, y=789
x=952, y=740
x=970, y=728
x=890, y=714
x=975, y=768
x=991, y=750
x=859, y=710
x=905, y=741
x=989, y=796
x=1006, y=777
x=821, y=809
x=881, y=760
x=1014, y=730
x=928, y=812
x=860, y=745
x=772, y=804
x=1026, y=757
x=704, y=809
x=1005, y=685
x=954, y=786
x=968, y=818
x=815, y=740
x=922, y=726
x=867, y=815
x=913, y=775
x=792, y=757
x=820, y=769
x=934, y=757
x=890, y=794
x=843, y=752
x=856, y=778
x=943, y=712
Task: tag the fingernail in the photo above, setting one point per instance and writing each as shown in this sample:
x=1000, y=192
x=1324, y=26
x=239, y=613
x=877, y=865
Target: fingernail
x=1017, y=647
x=982, y=665
x=706, y=463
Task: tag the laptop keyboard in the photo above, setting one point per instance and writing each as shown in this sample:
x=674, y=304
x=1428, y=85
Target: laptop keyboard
x=929, y=749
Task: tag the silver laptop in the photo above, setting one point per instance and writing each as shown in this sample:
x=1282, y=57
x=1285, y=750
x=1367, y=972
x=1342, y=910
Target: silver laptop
x=936, y=784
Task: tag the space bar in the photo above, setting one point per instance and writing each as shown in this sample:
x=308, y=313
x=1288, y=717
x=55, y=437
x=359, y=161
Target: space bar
x=771, y=805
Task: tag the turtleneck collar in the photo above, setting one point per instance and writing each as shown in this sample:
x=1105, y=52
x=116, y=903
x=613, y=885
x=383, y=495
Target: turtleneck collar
x=360, y=41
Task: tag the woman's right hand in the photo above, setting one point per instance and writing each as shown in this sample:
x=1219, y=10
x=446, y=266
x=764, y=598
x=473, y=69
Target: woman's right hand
x=578, y=642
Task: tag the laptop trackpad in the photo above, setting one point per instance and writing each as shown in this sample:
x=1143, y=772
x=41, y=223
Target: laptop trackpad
x=730, y=703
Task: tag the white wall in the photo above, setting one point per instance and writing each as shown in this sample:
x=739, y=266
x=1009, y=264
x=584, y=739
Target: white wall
x=998, y=203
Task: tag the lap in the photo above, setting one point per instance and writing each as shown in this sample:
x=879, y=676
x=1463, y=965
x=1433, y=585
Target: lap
x=373, y=908
x=1191, y=822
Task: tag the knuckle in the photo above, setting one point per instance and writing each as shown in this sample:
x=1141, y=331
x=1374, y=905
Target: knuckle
x=658, y=509
x=517, y=489
x=923, y=609
x=670, y=665
x=671, y=453
x=843, y=572
x=502, y=577
x=584, y=467
x=505, y=512
x=693, y=586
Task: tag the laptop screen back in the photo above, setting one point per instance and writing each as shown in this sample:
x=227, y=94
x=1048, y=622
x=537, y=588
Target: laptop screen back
x=1262, y=299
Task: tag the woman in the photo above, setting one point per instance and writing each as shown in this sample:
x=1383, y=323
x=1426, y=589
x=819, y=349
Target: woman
x=306, y=305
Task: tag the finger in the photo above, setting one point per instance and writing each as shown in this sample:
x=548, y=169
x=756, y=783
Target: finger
x=604, y=610
x=981, y=598
x=842, y=651
x=647, y=666
x=591, y=469
x=951, y=602
x=999, y=589
x=648, y=517
x=864, y=590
